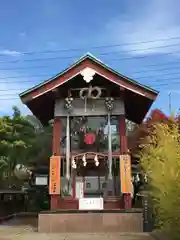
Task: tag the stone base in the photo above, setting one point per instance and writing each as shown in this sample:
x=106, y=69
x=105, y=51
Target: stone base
x=90, y=221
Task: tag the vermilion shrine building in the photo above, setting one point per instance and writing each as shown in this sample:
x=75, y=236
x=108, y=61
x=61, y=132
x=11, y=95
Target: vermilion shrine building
x=89, y=103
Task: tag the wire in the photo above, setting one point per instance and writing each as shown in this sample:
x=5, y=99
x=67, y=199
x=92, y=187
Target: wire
x=46, y=66
x=99, y=47
x=156, y=84
x=26, y=76
x=159, y=69
x=45, y=75
x=156, y=76
x=53, y=74
x=124, y=58
x=100, y=54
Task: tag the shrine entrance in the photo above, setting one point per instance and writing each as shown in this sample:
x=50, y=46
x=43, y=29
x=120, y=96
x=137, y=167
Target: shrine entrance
x=90, y=134
x=91, y=170
x=89, y=148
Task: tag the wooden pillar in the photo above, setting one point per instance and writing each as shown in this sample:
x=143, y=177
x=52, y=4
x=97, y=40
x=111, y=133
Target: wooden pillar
x=56, y=152
x=74, y=183
x=123, y=138
x=124, y=150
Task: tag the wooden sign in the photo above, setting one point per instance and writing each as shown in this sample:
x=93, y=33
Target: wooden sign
x=54, y=175
x=79, y=189
x=125, y=173
x=91, y=204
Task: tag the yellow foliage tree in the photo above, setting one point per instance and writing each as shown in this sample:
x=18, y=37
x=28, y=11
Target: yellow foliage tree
x=160, y=159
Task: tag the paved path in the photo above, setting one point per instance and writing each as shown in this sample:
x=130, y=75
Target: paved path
x=40, y=236
x=25, y=233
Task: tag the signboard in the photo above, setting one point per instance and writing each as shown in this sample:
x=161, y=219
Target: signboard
x=41, y=181
x=54, y=175
x=113, y=129
x=91, y=204
x=79, y=189
x=125, y=170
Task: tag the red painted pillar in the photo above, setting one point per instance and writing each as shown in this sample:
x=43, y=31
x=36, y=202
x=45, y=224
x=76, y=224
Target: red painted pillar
x=124, y=150
x=74, y=184
x=56, y=151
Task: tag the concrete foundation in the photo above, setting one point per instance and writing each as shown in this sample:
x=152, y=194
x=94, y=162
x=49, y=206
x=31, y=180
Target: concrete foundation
x=90, y=221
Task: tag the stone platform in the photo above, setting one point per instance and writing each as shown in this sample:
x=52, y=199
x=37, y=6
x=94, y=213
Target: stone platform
x=66, y=221
x=23, y=226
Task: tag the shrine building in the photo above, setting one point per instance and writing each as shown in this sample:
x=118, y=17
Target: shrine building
x=89, y=103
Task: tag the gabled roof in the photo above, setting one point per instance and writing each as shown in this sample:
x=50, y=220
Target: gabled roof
x=87, y=61
x=90, y=57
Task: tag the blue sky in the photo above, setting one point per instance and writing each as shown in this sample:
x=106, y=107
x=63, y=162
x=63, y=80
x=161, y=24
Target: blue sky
x=53, y=25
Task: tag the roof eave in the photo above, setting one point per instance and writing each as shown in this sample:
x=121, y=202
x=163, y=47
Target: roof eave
x=56, y=76
x=94, y=59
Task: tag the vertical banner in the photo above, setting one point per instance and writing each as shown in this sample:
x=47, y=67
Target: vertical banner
x=54, y=175
x=125, y=173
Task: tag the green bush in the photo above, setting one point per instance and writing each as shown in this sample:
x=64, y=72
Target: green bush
x=160, y=159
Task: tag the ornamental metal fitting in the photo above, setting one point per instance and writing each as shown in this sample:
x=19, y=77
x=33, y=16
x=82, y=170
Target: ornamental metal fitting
x=90, y=93
x=68, y=103
x=88, y=74
x=109, y=103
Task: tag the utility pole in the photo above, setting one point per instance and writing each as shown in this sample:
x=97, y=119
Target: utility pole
x=169, y=97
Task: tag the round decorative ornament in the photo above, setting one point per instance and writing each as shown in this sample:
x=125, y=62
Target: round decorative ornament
x=96, y=93
x=90, y=93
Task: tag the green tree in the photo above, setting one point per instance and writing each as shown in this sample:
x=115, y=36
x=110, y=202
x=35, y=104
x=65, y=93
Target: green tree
x=15, y=133
x=22, y=140
x=41, y=146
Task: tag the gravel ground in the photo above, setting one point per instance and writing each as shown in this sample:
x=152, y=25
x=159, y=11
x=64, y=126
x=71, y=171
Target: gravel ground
x=27, y=234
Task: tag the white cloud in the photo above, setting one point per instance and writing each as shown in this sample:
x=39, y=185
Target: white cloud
x=154, y=19
x=22, y=34
x=7, y=52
